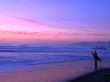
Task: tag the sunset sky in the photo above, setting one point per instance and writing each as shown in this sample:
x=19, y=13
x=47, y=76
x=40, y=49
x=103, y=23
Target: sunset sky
x=23, y=21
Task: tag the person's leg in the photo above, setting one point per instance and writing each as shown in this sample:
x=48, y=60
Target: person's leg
x=95, y=64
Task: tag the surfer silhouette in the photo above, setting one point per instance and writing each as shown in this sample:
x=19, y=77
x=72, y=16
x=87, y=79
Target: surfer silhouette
x=96, y=58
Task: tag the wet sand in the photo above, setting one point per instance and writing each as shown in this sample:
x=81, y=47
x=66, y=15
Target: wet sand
x=55, y=72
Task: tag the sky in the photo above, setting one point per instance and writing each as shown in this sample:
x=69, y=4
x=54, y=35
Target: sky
x=31, y=21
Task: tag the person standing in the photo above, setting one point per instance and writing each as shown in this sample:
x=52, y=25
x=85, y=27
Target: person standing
x=96, y=58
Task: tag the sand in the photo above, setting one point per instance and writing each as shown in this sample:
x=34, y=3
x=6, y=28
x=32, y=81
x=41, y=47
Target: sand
x=55, y=72
x=97, y=76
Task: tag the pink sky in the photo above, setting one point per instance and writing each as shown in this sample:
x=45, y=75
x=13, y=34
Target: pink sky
x=33, y=21
x=9, y=23
x=36, y=37
x=23, y=30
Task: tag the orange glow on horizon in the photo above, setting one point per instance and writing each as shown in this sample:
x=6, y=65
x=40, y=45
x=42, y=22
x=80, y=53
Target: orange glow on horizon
x=22, y=37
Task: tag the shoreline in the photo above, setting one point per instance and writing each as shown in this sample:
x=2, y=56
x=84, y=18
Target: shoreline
x=95, y=76
x=54, y=72
x=57, y=72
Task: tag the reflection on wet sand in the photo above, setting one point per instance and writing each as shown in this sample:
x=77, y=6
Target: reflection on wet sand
x=56, y=72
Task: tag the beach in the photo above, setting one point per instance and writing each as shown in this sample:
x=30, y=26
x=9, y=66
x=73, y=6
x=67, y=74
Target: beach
x=96, y=76
x=57, y=72
x=47, y=66
x=54, y=40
